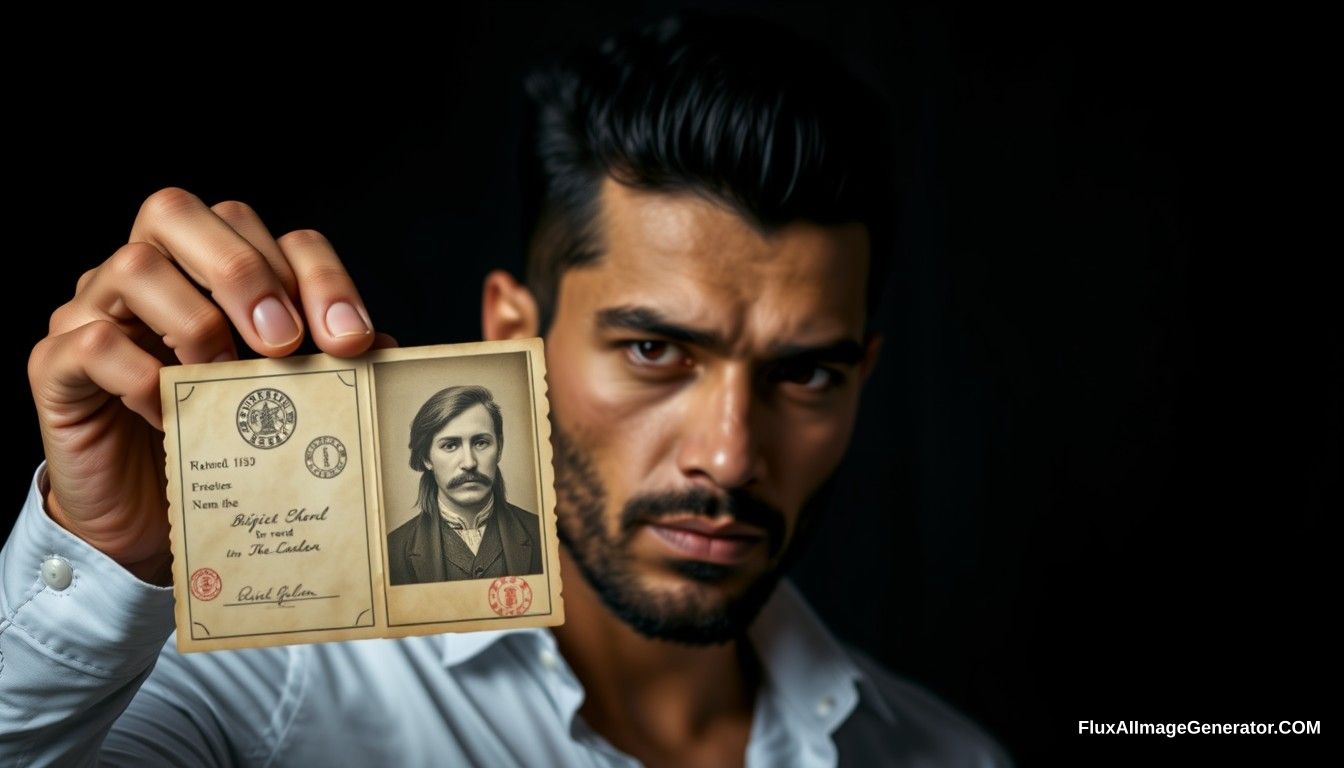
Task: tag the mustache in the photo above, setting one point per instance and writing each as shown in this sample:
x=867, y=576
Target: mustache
x=468, y=476
x=739, y=505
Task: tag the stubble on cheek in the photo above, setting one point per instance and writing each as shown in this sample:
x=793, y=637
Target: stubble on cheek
x=580, y=495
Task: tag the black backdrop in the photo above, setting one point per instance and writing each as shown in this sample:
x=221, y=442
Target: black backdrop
x=1092, y=471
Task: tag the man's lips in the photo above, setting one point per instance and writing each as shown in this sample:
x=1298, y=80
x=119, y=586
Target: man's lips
x=727, y=542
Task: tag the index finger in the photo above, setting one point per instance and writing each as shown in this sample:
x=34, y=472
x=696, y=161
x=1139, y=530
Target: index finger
x=212, y=253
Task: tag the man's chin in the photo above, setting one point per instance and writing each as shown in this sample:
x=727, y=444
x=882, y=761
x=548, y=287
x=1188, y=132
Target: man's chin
x=691, y=602
x=703, y=573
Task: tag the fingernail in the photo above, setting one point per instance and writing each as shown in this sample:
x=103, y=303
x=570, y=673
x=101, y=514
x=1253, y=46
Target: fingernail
x=223, y=357
x=275, y=325
x=344, y=320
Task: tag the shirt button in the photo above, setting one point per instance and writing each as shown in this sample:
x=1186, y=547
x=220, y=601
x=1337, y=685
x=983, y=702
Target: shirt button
x=480, y=570
x=57, y=573
x=825, y=705
x=549, y=661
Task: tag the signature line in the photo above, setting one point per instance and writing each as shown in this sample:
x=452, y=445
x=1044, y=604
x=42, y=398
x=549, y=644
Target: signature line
x=281, y=601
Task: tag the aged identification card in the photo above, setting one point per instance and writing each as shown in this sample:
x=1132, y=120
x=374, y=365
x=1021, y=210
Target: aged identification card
x=405, y=492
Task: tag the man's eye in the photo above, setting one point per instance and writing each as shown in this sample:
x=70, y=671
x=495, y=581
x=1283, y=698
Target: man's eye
x=816, y=378
x=449, y=446
x=659, y=353
x=482, y=444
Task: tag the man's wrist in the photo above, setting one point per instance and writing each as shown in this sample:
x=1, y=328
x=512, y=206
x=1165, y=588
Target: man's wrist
x=155, y=569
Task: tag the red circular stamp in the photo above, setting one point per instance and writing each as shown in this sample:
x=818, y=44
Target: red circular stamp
x=510, y=596
x=205, y=584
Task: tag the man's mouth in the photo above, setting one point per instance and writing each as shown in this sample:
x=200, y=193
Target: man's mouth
x=726, y=543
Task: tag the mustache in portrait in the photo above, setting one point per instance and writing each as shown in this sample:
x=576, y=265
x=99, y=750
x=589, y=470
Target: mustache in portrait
x=467, y=476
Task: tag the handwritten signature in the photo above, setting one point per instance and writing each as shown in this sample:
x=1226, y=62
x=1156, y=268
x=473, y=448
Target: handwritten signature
x=280, y=595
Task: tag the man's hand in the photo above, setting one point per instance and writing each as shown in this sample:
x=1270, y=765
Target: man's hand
x=187, y=274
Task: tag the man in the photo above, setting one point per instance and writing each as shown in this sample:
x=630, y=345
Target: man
x=711, y=206
x=456, y=440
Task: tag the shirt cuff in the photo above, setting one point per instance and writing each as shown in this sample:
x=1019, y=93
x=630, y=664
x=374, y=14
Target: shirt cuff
x=105, y=621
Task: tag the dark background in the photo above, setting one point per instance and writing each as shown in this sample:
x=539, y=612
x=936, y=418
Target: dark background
x=1092, y=471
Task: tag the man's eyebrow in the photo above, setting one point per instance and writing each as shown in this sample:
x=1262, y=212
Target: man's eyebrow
x=647, y=320
x=841, y=352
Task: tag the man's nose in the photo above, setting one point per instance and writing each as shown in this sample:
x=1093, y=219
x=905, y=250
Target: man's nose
x=469, y=459
x=718, y=440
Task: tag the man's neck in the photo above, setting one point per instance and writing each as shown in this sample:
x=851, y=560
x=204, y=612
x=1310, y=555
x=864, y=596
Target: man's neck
x=662, y=702
x=468, y=515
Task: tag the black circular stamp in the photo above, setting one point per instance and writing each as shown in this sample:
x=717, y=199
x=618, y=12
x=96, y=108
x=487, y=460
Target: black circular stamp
x=266, y=418
x=325, y=457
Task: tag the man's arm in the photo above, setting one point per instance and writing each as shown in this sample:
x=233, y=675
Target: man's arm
x=72, y=655
x=79, y=634
x=79, y=682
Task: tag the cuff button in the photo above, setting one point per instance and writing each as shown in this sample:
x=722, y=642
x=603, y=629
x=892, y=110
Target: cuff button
x=57, y=573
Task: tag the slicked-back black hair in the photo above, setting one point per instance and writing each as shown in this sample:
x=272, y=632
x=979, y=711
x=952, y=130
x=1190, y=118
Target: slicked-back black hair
x=741, y=110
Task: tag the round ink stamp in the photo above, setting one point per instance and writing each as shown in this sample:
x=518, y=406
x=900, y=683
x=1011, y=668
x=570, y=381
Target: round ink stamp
x=205, y=584
x=325, y=457
x=266, y=418
x=510, y=596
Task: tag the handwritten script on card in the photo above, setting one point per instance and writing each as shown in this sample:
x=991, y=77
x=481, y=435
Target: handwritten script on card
x=405, y=492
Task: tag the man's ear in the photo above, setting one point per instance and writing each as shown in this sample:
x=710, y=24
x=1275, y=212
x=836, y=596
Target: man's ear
x=508, y=310
x=871, y=347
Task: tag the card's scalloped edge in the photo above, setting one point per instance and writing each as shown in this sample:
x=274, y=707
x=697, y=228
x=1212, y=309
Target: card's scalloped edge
x=168, y=399
x=548, y=470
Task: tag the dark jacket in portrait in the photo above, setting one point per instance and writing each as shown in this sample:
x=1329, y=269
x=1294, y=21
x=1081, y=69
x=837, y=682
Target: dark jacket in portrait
x=424, y=549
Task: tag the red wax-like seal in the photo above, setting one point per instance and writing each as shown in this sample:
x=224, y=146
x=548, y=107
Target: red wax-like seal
x=510, y=596
x=205, y=584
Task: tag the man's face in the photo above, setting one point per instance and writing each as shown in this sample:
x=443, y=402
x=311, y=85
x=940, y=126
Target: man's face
x=464, y=457
x=704, y=380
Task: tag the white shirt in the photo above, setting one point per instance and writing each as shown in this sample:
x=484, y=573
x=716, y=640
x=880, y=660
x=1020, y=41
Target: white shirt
x=83, y=657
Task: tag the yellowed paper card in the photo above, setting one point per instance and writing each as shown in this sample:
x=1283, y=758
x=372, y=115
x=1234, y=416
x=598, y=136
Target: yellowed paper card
x=405, y=492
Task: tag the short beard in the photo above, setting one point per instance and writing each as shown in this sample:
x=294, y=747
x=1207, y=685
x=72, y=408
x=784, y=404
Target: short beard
x=684, y=616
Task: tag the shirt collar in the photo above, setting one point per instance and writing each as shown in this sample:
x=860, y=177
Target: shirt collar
x=806, y=668
x=454, y=518
x=460, y=647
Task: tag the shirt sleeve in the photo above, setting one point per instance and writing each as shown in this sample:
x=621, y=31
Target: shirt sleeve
x=79, y=634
